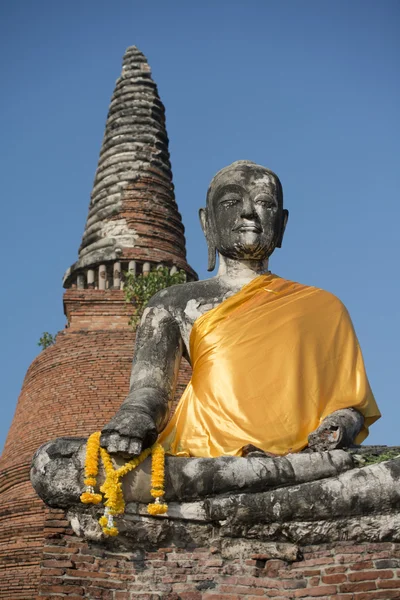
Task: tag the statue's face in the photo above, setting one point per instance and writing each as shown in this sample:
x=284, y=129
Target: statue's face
x=247, y=213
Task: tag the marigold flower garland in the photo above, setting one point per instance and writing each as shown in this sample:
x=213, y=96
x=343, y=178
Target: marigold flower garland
x=112, y=486
x=157, y=481
x=92, y=469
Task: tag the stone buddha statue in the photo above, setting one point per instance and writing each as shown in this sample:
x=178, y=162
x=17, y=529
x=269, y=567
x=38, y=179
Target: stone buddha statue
x=277, y=377
x=278, y=389
x=276, y=365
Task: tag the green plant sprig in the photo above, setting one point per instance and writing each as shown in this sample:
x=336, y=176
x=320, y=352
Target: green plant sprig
x=47, y=339
x=139, y=289
x=373, y=459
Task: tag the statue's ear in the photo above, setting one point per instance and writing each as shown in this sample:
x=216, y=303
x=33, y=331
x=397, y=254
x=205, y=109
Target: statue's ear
x=209, y=238
x=285, y=217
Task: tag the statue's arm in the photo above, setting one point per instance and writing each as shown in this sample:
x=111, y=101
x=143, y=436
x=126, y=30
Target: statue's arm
x=337, y=430
x=144, y=413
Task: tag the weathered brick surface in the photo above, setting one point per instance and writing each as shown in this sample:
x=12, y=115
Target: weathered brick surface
x=202, y=573
x=72, y=388
x=21, y=540
x=75, y=386
x=133, y=214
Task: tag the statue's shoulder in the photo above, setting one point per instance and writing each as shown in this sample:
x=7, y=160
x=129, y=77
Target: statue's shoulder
x=177, y=297
x=329, y=297
x=314, y=295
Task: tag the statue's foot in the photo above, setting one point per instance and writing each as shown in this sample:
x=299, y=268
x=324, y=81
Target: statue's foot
x=253, y=451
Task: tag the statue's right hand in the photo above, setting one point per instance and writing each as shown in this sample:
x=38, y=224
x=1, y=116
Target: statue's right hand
x=128, y=433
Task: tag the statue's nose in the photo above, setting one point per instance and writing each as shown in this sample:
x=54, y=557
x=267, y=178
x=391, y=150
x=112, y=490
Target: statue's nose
x=248, y=209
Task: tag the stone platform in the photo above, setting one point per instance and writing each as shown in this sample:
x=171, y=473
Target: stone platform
x=307, y=525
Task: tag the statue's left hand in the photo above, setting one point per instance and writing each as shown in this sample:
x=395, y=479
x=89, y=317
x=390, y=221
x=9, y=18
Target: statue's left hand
x=338, y=430
x=328, y=436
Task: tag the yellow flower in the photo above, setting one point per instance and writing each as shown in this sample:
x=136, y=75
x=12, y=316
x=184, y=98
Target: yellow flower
x=90, y=481
x=112, y=486
x=157, y=509
x=110, y=531
x=157, y=481
x=92, y=455
x=90, y=498
x=157, y=493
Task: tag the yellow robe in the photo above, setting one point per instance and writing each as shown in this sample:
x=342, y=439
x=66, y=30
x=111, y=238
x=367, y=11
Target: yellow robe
x=269, y=364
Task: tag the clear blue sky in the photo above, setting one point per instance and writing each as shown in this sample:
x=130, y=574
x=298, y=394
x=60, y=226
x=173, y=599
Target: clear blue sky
x=308, y=88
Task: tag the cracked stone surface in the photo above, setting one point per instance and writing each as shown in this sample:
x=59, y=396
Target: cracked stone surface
x=301, y=498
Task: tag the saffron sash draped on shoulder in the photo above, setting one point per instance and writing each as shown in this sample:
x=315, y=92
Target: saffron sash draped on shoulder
x=269, y=364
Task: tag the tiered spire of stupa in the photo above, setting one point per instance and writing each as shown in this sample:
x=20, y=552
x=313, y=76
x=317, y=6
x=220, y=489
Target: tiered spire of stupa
x=77, y=384
x=133, y=222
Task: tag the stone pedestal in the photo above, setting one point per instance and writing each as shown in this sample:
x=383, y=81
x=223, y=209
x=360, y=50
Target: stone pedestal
x=323, y=525
x=217, y=569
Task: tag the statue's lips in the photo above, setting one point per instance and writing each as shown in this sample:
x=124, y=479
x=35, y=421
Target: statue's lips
x=244, y=228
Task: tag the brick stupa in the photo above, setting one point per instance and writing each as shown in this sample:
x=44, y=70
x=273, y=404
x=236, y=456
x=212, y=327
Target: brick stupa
x=74, y=387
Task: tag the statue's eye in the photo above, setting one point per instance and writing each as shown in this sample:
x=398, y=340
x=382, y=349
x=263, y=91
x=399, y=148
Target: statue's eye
x=230, y=199
x=264, y=200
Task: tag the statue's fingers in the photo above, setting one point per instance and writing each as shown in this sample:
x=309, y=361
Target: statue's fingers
x=113, y=443
x=135, y=446
x=123, y=445
x=104, y=438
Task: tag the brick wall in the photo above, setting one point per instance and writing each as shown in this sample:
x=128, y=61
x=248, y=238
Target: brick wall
x=71, y=389
x=21, y=540
x=150, y=209
x=75, y=386
x=74, y=568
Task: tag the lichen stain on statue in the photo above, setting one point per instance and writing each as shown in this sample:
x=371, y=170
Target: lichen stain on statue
x=264, y=442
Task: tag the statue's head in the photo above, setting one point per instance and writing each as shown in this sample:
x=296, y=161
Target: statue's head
x=244, y=217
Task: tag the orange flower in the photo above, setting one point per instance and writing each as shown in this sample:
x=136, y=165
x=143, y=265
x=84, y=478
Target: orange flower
x=114, y=501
